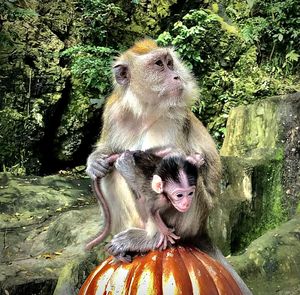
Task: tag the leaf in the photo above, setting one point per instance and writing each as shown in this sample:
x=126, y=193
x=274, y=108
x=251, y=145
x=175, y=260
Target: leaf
x=292, y=56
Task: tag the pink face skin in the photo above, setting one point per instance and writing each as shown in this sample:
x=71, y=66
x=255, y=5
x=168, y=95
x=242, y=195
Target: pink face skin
x=179, y=193
x=181, y=198
x=159, y=75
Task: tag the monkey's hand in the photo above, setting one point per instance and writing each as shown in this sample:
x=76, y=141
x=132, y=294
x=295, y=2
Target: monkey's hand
x=167, y=237
x=125, y=165
x=125, y=160
x=98, y=164
x=166, y=234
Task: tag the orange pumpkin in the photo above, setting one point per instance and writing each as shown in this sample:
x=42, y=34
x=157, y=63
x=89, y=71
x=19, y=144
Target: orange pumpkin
x=180, y=270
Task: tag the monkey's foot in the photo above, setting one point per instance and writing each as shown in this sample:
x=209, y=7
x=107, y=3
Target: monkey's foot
x=123, y=257
x=131, y=241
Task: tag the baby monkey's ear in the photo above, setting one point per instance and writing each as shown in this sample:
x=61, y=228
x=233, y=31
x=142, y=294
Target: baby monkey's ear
x=157, y=184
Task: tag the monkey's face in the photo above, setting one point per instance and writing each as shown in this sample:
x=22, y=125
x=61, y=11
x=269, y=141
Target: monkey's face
x=156, y=76
x=180, y=195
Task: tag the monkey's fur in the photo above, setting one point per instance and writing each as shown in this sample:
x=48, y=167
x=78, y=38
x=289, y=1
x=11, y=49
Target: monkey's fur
x=150, y=106
x=138, y=169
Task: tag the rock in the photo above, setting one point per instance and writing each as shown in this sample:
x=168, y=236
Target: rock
x=45, y=223
x=270, y=265
x=36, y=90
x=261, y=164
x=30, y=84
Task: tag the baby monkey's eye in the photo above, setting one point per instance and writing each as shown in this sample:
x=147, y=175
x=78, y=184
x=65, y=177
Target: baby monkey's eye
x=191, y=193
x=179, y=195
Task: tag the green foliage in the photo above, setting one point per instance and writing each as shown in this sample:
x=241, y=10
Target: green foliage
x=225, y=63
x=105, y=22
x=91, y=71
x=118, y=24
x=147, y=16
x=239, y=51
x=17, y=10
x=90, y=68
x=274, y=27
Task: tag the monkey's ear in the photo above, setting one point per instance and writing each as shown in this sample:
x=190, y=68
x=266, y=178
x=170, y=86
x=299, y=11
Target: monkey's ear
x=196, y=159
x=122, y=75
x=157, y=184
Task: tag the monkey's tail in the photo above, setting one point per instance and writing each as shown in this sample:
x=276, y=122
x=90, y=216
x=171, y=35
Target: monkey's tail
x=107, y=217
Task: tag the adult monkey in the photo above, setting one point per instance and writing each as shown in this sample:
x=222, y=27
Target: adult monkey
x=150, y=106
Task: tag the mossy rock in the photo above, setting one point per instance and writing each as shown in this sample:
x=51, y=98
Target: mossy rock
x=261, y=175
x=45, y=224
x=270, y=265
x=35, y=88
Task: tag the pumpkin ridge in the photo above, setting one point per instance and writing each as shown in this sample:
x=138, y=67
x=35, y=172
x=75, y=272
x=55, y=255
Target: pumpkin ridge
x=129, y=281
x=115, y=265
x=158, y=273
x=137, y=270
x=92, y=281
x=176, y=280
x=223, y=279
x=202, y=277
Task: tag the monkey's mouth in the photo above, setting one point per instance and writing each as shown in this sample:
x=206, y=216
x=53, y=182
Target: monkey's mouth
x=181, y=209
x=176, y=91
x=171, y=93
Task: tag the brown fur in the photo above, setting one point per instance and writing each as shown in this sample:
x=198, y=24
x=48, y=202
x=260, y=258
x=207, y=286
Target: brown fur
x=150, y=107
x=131, y=123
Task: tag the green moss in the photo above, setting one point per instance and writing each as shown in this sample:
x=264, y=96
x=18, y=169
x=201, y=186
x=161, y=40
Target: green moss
x=266, y=210
x=279, y=154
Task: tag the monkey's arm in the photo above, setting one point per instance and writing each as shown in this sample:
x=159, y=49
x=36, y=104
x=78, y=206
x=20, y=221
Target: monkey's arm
x=98, y=164
x=166, y=233
x=137, y=169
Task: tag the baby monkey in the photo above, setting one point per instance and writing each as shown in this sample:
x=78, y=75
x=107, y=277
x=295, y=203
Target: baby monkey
x=164, y=184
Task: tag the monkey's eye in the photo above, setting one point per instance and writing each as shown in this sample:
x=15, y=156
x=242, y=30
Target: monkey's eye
x=179, y=195
x=159, y=63
x=170, y=64
x=191, y=193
